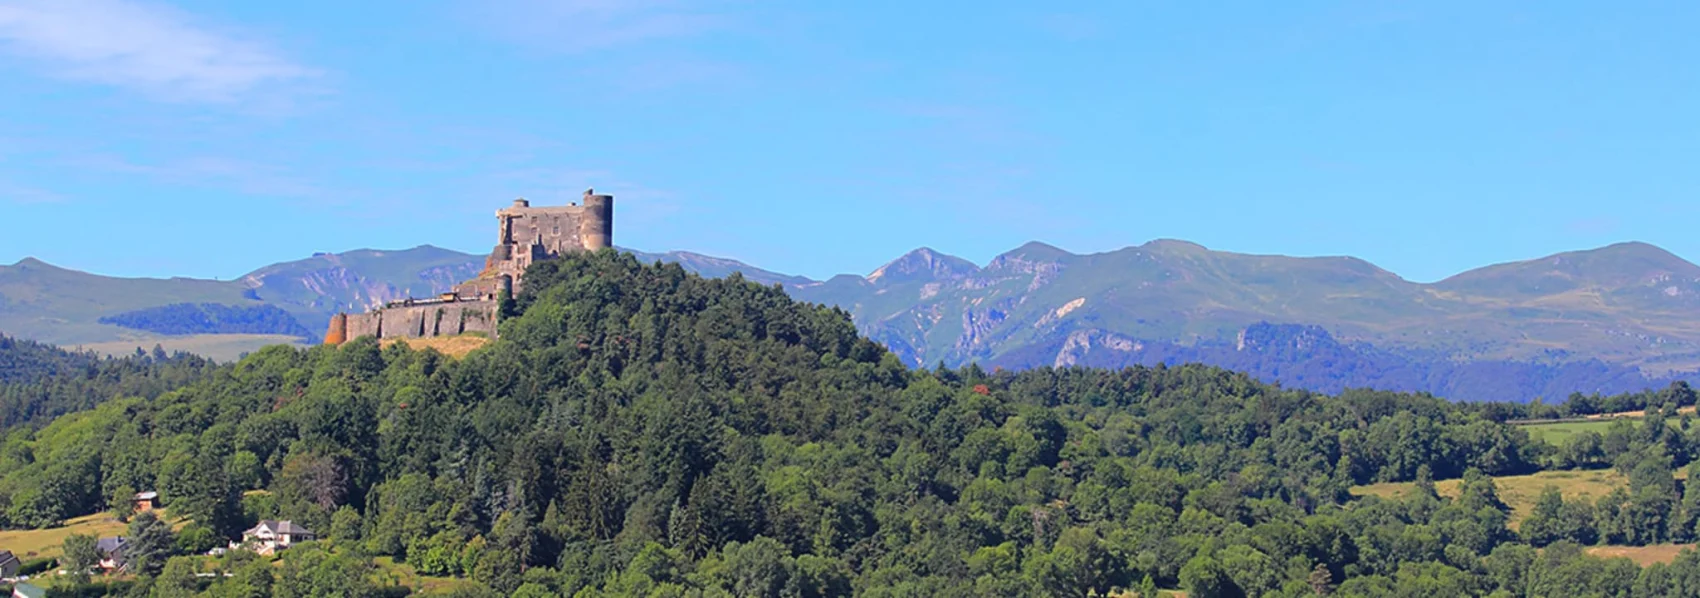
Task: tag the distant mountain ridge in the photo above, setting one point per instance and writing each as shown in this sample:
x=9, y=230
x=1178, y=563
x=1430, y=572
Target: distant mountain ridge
x=1611, y=319
x=1629, y=308
x=1309, y=357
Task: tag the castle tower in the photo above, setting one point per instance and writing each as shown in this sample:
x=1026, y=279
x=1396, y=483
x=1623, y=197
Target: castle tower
x=338, y=332
x=596, y=228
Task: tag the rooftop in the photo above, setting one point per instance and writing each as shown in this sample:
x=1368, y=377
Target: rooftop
x=280, y=527
x=110, y=545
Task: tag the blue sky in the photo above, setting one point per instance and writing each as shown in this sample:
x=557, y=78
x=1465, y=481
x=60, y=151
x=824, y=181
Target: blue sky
x=207, y=138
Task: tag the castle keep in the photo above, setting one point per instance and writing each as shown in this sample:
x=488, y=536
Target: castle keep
x=525, y=235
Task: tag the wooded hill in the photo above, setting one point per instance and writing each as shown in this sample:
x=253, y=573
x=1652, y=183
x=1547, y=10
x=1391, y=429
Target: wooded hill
x=642, y=431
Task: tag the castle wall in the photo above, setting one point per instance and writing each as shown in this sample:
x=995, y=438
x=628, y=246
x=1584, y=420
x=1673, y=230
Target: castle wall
x=365, y=324
x=560, y=228
x=425, y=321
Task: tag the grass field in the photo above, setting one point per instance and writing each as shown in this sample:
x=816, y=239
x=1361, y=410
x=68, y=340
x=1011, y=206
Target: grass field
x=30, y=544
x=221, y=347
x=1519, y=492
x=403, y=574
x=1558, y=433
x=452, y=346
x=39, y=543
x=1642, y=555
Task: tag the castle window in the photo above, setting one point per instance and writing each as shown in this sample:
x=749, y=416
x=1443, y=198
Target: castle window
x=557, y=230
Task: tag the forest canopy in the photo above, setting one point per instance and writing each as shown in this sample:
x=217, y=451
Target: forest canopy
x=211, y=318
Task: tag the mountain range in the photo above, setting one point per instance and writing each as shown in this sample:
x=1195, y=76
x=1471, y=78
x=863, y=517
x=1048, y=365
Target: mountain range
x=1611, y=319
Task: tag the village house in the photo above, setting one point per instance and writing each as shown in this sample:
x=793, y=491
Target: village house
x=145, y=501
x=271, y=536
x=112, y=553
x=9, y=564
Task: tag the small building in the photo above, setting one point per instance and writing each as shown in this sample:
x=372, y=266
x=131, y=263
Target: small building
x=145, y=501
x=271, y=536
x=25, y=590
x=9, y=565
x=111, y=551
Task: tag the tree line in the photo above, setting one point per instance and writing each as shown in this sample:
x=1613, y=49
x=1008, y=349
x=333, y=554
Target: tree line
x=39, y=382
x=211, y=318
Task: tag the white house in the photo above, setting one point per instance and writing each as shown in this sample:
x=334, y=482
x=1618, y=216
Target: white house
x=271, y=536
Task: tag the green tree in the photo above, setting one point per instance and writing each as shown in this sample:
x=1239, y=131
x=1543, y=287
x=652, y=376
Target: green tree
x=1545, y=524
x=345, y=525
x=245, y=471
x=534, y=590
x=1078, y=565
x=196, y=538
x=310, y=571
x=760, y=568
x=177, y=579
x=1203, y=577
x=122, y=502
x=150, y=544
x=251, y=579
x=81, y=556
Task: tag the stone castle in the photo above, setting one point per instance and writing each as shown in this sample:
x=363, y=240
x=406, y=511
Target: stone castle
x=526, y=235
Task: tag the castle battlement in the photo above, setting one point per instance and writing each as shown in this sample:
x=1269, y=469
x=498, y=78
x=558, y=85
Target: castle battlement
x=526, y=234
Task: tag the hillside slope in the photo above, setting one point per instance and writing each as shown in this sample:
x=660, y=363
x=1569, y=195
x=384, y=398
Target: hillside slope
x=51, y=304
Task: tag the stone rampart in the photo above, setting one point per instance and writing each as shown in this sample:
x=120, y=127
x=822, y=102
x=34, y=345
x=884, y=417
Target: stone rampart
x=425, y=321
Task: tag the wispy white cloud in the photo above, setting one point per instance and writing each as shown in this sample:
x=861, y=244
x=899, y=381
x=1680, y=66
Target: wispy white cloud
x=581, y=25
x=155, y=49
